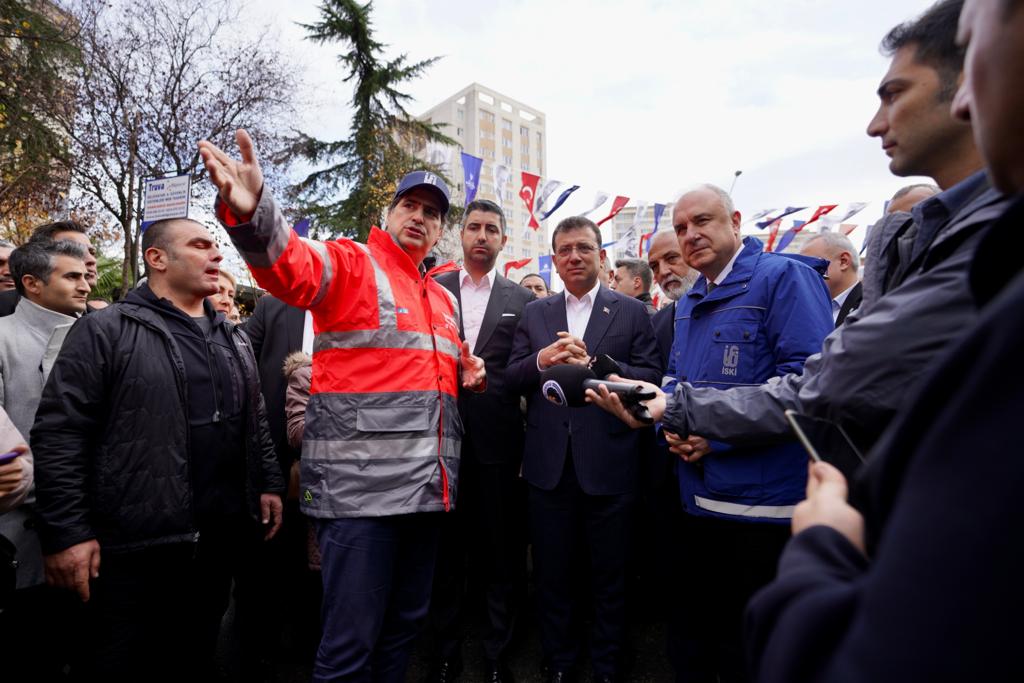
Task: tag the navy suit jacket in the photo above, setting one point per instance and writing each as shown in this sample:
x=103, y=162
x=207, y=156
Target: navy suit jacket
x=492, y=419
x=664, y=322
x=604, y=450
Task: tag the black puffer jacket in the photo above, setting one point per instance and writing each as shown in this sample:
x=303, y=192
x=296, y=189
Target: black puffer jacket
x=111, y=436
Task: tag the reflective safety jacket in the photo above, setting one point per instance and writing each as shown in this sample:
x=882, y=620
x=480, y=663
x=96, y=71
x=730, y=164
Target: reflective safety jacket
x=382, y=434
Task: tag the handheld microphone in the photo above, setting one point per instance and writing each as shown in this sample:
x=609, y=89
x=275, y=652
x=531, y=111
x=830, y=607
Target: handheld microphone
x=566, y=385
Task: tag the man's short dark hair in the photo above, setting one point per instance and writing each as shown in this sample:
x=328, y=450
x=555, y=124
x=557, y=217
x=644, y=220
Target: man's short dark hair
x=933, y=35
x=47, y=231
x=638, y=268
x=157, y=236
x=575, y=223
x=484, y=205
x=36, y=256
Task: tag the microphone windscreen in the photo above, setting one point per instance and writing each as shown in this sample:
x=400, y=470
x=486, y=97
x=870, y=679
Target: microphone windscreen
x=605, y=365
x=563, y=384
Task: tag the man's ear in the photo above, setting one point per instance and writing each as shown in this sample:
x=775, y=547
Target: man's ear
x=156, y=259
x=32, y=284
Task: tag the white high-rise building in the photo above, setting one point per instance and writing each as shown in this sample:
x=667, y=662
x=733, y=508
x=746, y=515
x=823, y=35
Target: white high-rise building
x=502, y=132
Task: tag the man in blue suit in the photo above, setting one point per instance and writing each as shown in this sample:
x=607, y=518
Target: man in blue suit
x=580, y=463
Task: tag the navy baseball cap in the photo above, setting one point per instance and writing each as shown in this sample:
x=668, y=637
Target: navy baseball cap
x=429, y=181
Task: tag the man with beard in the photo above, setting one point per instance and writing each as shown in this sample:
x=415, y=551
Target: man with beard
x=674, y=278
x=491, y=503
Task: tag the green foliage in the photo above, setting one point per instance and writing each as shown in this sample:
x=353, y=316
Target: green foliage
x=36, y=56
x=379, y=151
x=108, y=279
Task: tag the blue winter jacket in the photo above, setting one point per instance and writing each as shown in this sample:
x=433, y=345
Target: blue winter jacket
x=768, y=315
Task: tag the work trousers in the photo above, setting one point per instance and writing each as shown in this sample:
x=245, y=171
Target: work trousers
x=724, y=563
x=377, y=573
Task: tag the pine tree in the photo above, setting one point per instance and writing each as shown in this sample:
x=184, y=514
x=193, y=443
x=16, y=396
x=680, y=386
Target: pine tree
x=383, y=136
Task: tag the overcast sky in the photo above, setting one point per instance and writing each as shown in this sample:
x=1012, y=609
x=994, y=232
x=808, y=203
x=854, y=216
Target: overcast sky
x=648, y=98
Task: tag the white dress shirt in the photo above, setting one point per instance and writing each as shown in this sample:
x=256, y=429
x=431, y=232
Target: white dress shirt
x=728, y=267
x=840, y=299
x=577, y=311
x=474, y=303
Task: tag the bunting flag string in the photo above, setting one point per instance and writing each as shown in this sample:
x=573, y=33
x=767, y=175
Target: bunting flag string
x=645, y=241
x=558, y=202
x=788, y=210
x=829, y=223
x=776, y=224
x=527, y=193
x=800, y=225
x=617, y=205
x=546, y=190
x=600, y=199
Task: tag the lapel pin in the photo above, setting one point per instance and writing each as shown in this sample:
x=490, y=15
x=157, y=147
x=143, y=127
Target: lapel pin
x=605, y=309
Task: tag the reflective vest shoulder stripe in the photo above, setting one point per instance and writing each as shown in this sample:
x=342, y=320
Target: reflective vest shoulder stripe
x=326, y=271
x=385, y=295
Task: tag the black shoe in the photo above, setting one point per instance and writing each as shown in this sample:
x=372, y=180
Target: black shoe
x=445, y=671
x=498, y=672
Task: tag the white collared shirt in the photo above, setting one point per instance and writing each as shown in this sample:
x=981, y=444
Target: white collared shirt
x=577, y=311
x=840, y=299
x=728, y=267
x=474, y=298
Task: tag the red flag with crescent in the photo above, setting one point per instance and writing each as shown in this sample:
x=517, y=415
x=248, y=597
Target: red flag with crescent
x=528, y=192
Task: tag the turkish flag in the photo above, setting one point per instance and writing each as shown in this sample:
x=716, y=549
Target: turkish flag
x=528, y=192
x=819, y=212
x=617, y=205
x=516, y=264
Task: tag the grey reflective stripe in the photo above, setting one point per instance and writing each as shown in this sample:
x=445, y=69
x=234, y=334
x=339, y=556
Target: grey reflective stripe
x=739, y=510
x=326, y=270
x=665, y=379
x=376, y=449
x=385, y=295
x=384, y=339
x=455, y=308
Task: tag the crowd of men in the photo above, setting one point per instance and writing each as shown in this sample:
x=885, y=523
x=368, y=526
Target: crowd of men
x=374, y=454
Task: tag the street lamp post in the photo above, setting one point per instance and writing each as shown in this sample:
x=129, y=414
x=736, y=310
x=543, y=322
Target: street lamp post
x=736, y=176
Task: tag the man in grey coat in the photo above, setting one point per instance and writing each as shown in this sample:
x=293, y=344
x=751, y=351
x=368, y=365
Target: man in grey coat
x=916, y=296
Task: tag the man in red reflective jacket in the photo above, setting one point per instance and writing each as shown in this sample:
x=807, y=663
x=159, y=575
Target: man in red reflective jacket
x=382, y=436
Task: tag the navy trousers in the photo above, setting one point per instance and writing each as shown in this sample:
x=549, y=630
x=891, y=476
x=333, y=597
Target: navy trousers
x=558, y=519
x=377, y=573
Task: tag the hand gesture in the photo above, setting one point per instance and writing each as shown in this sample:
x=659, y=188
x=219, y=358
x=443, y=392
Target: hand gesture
x=567, y=350
x=73, y=567
x=271, y=513
x=610, y=402
x=474, y=373
x=13, y=474
x=690, y=449
x=239, y=183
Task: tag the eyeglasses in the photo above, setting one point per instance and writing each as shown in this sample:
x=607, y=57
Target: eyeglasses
x=584, y=249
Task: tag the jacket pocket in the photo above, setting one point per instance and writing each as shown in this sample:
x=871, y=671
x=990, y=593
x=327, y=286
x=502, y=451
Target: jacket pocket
x=393, y=419
x=731, y=354
x=734, y=473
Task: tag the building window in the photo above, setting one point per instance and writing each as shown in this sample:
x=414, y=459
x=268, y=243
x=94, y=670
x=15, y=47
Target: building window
x=506, y=124
x=461, y=114
x=508, y=195
x=506, y=142
x=539, y=141
x=487, y=116
x=489, y=153
x=459, y=132
x=508, y=160
x=524, y=131
x=526, y=165
x=484, y=97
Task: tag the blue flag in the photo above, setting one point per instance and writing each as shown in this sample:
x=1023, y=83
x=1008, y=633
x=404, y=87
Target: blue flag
x=471, y=174
x=558, y=202
x=788, y=210
x=790, y=234
x=301, y=227
x=545, y=269
x=658, y=210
